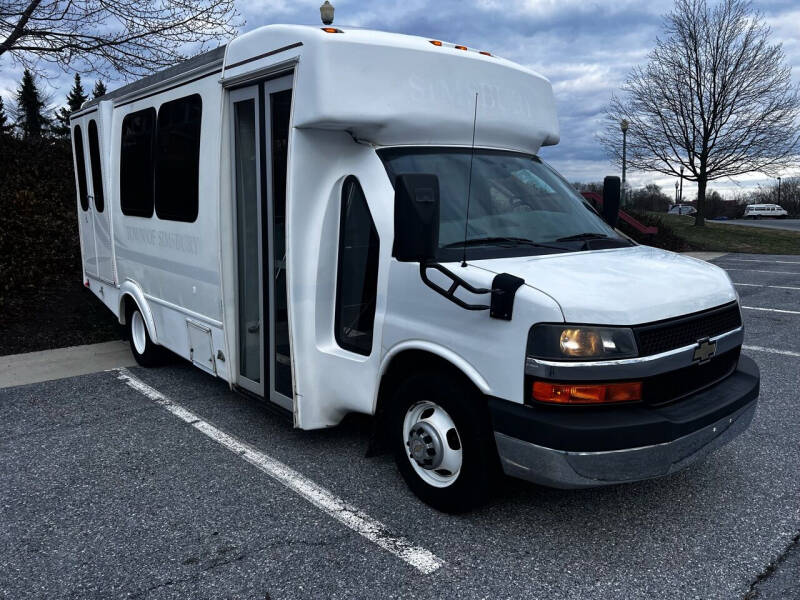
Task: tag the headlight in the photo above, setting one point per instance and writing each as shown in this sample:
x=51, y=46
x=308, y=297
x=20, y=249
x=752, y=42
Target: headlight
x=580, y=342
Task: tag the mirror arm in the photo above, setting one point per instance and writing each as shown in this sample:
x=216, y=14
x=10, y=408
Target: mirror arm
x=450, y=292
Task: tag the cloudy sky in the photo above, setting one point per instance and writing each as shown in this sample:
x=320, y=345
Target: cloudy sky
x=585, y=48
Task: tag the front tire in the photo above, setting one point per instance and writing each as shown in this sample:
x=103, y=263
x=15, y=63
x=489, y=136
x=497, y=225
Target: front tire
x=442, y=441
x=145, y=351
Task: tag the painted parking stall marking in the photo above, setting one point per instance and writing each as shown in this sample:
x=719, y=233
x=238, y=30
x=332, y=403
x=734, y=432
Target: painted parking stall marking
x=775, y=310
x=760, y=271
x=771, y=350
x=373, y=530
x=775, y=287
x=760, y=260
x=755, y=348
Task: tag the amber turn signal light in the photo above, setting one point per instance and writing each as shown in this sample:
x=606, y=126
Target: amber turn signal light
x=331, y=30
x=590, y=393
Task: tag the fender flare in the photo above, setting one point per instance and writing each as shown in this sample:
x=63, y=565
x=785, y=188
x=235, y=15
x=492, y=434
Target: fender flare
x=132, y=289
x=454, y=359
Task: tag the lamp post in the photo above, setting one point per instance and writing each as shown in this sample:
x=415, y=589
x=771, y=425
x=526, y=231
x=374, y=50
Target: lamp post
x=676, y=192
x=779, y=190
x=681, y=195
x=623, y=125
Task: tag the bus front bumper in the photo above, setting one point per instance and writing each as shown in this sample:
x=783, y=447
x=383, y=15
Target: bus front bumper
x=680, y=434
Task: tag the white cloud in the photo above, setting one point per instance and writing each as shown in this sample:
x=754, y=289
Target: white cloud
x=585, y=47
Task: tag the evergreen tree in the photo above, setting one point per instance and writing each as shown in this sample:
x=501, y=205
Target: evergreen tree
x=5, y=126
x=75, y=100
x=99, y=89
x=30, y=118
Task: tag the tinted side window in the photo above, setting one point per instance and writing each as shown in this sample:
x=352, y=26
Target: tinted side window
x=136, y=163
x=80, y=163
x=178, y=158
x=357, y=280
x=97, y=174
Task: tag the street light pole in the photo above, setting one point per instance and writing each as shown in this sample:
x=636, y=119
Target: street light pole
x=623, y=125
x=676, y=192
x=779, y=190
x=681, y=185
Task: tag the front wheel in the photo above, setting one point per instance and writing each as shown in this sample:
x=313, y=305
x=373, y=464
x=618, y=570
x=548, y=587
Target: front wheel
x=443, y=442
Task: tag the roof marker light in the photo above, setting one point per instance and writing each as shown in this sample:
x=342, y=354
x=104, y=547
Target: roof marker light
x=331, y=30
x=436, y=42
x=460, y=47
x=485, y=53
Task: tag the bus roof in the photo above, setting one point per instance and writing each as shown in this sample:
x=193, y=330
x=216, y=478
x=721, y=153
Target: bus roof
x=386, y=88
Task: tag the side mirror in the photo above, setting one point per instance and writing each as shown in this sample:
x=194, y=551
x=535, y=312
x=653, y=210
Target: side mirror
x=611, y=200
x=416, y=217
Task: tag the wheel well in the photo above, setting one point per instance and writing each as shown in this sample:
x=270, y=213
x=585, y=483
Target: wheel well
x=404, y=364
x=126, y=306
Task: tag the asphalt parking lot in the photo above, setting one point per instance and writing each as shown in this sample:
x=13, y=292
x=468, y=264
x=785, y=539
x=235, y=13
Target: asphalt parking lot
x=164, y=484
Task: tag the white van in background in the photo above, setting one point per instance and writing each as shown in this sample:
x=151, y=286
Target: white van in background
x=338, y=220
x=682, y=209
x=757, y=211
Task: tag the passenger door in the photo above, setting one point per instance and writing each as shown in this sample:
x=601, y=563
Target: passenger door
x=85, y=204
x=245, y=172
x=100, y=217
x=259, y=138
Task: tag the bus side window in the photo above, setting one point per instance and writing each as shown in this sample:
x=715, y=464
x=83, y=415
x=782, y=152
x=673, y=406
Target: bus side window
x=97, y=174
x=81, y=167
x=177, y=159
x=136, y=163
x=357, y=276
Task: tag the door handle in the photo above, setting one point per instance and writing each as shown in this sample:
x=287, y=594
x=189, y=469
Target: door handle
x=254, y=328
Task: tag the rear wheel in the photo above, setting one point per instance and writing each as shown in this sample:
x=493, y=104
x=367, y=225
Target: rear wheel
x=442, y=441
x=144, y=350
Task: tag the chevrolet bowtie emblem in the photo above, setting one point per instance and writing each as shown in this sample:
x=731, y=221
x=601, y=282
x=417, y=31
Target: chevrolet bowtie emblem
x=705, y=350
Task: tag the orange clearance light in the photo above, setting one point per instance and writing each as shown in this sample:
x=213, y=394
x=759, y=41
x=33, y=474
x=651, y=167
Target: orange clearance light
x=569, y=393
x=331, y=30
x=436, y=42
x=485, y=53
x=460, y=47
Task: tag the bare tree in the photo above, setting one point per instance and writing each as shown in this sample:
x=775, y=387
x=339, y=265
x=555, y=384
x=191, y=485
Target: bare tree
x=131, y=37
x=715, y=99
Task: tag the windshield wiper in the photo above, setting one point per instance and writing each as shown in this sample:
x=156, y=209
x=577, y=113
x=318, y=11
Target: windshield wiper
x=579, y=237
x=500, y=241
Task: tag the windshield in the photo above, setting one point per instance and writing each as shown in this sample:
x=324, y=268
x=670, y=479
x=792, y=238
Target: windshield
x=518, y=204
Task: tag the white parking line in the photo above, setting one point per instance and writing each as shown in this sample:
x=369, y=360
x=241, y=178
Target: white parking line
x=783, y=262
x=777, y=287
x=772, y=350
x=760, y=271
x=775, y=310
x=372, y=529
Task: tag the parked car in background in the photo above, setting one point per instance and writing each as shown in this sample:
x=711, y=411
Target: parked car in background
x=757, y=211
x=682, y=209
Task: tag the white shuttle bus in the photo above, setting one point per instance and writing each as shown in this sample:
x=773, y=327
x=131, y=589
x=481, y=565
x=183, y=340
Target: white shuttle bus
x=346, y=221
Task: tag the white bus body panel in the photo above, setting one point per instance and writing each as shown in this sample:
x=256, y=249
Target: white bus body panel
x=352, y=93
x=604, y=287
x=391, y=89
x=176, y=264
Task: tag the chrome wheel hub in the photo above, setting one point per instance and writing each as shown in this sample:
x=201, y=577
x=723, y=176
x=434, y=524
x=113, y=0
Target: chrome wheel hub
x=138, y=332
x=433, y=444
x=425, y=445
